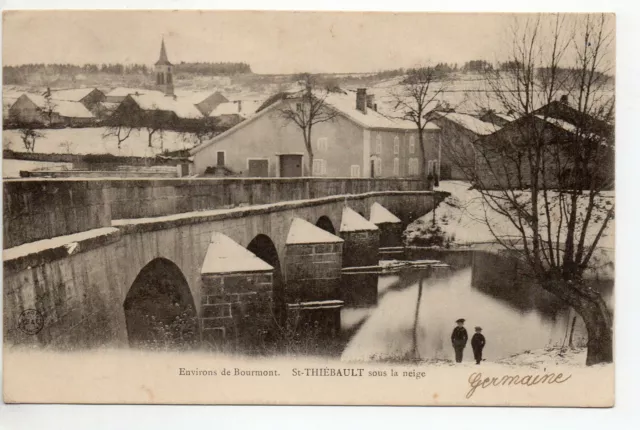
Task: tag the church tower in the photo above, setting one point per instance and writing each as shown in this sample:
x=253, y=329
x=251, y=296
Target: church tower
x=164, y=75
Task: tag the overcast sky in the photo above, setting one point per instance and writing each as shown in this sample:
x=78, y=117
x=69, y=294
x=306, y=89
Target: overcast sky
x=271, y=42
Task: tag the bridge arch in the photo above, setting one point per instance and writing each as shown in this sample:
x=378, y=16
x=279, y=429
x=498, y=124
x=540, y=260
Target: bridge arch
x=324, y=222
x=159, y=308
x=264, y=248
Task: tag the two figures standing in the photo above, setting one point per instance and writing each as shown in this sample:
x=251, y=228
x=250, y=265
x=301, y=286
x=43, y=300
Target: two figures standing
x=459, y=339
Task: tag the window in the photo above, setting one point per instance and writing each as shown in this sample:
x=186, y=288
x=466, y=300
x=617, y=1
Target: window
x=299, y=107
x=319, y=167
x=322, y=144
x=355, y=171
x=412, y=145
x=413, y=166
x=396, y=166
x=379, y=144
x=396, y=145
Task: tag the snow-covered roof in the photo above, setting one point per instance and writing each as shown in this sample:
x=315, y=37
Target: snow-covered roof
x=244, y=108
x=471, y=123
x=226, y=108
x=303, y=232
x=123, y=92
x=226, y=256
x=353, y=221
x=61, y=107
x=182, y=108
x=72, y=95
x=192, y=96
x=346, y=104
x=559, y=123
x=380, y=215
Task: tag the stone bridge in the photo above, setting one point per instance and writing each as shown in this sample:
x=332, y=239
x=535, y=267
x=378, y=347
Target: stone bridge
x=98, y=258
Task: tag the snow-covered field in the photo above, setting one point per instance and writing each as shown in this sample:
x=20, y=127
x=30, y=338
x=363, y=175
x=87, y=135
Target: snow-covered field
x=92, y=141
x=464, y=215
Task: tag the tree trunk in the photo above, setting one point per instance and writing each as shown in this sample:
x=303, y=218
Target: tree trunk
x=597, y=318
x=424, y=155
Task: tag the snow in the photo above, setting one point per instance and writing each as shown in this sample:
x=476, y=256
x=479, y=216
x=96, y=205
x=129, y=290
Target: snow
x=11, y=168
x=353, y=221
x=463, y=216
x=66, y=109
x=68, y=241
x=226, y=108
x=559, y=123
x=471, y=123
x=327, y=304
x=226, y=256
x=541, y=358
x=154, y=101
x=91, y=141
x=123, y=92
x=303, y=232
x=72, y=95
x=380, y=214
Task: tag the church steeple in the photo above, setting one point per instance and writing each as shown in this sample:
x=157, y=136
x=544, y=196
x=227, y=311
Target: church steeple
x=164, y=76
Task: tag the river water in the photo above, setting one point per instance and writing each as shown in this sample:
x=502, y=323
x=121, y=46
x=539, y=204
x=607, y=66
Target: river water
x=514, y=317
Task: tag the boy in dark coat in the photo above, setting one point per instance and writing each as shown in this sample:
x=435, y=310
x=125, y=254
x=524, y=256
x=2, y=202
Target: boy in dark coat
x=459, y=339
x=477, y=344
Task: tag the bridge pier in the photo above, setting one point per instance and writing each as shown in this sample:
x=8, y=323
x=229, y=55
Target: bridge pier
x=236, y=295
x=390, y=226
x=361, y=240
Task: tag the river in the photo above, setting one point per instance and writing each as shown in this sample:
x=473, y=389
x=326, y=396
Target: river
x=514, y=316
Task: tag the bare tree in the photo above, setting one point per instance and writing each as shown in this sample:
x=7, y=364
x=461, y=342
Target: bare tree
x=543, y=176
x=416, y=99
x=29, y=133
x=49, y=107
x=307, y=109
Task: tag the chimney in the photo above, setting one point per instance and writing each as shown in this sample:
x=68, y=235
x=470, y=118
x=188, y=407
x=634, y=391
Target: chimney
x=239, y=106
x=361, y=100
x=564, y=99
x=371, y=101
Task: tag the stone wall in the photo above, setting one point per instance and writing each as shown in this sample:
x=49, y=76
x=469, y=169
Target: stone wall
x=233, y=308
x=390, y=234
x=41, y=209
x=361, y=248
x=312, y=272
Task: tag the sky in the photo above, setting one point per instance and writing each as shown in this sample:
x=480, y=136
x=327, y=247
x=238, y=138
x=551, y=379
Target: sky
x=271, y=42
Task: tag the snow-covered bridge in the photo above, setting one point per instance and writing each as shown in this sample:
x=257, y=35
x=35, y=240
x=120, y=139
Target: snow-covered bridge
x=94, y=258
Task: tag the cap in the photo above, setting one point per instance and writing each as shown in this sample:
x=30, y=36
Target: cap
x=478, y=328
x=461, y=320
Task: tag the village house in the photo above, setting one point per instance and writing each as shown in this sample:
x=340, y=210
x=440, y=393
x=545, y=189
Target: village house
x=496, y=118
x=459, y=131
x=501, y=157
x=358, y=142
x=36, y=109
x=205, y=101
x=89, y=97
x=230, y=113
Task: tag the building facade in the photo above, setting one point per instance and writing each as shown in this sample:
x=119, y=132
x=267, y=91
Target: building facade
x=357, y=142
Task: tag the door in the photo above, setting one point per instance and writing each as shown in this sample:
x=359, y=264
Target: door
x=220, y=158
x=290, y=165
x=258, y=168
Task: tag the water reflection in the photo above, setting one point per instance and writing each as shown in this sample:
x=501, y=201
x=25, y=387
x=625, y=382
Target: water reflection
x=410, y=322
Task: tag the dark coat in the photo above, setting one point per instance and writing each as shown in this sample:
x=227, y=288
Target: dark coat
x=459, y=336
x=477, y=341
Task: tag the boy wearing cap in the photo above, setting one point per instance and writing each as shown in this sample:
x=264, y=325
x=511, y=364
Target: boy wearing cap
x=459, y=339
x=477, y=344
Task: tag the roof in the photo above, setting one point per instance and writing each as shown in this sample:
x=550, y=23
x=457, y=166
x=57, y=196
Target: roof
x=158, y=101
x=470, y=123
x=380, y=215
x=567, y=126
x=226, y=256
x=61, y=107
x=195, y=97
x=226, y=108
x=303, y=232
x=163, y=60
x=73, y=95
x=353, y=221
x=123, y=92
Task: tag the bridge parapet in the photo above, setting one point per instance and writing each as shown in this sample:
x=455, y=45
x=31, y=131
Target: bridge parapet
x=37, y=209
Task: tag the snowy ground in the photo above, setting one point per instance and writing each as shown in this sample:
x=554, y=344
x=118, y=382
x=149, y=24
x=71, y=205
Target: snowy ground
x=91, y=141
x=463, y=216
